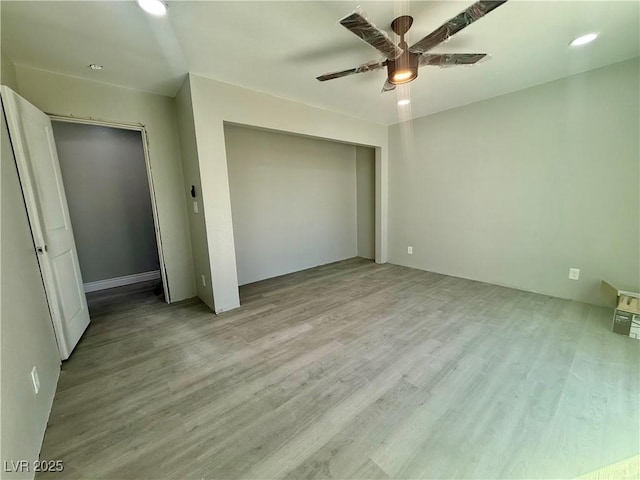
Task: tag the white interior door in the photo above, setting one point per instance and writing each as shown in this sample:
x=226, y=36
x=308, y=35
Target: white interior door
x=37, y=159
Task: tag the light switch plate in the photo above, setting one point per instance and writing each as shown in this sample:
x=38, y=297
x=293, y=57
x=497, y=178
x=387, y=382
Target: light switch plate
x=35, y=380
x=574, y=273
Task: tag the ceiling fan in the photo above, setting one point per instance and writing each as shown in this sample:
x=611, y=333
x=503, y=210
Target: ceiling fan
x=402, y=61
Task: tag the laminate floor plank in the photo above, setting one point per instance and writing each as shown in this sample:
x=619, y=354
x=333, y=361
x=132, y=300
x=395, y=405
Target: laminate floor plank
x=347, y=370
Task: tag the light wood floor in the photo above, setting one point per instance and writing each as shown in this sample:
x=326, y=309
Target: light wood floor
x=350, y=370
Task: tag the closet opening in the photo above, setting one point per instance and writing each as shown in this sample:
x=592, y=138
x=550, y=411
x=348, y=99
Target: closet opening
x=107, y=179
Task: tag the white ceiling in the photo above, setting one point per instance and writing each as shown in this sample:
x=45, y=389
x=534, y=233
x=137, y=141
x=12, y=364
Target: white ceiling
x=280, y=47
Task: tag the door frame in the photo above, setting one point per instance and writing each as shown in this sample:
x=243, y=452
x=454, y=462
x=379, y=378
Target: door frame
x=138, y=127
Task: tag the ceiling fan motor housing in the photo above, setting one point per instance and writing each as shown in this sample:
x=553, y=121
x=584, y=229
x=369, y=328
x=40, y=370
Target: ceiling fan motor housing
x=403, y=69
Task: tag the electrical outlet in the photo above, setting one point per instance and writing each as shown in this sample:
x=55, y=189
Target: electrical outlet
x=195, y=207
x=204, y=280
x=410, y=250
x=35, y=380
x=574, y=273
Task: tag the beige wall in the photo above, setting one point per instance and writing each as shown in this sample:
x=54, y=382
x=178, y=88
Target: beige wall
x=293, y=201
x=215, y=103
x=63, y=95
x=366, y=199
x=517, y=189
x=8, y=72
x=26, y=332
x=189, y=148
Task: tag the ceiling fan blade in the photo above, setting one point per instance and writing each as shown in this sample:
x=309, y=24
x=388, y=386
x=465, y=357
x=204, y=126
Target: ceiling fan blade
x=371, y=34
x=367, y=67
x=449, y=59
x=388, y=86
x=454, y=25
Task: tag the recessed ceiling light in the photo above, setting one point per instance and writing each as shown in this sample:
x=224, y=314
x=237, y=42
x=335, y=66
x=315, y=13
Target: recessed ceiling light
x=95, y=66
x=403, y=102
x=154, y=7
x=583, y=39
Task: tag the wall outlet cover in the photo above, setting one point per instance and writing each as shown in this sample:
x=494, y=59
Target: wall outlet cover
x=574, y=273
x=203, y=280
x=410, y=250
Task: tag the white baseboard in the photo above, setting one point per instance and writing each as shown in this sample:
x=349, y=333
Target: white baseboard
x=120, y=281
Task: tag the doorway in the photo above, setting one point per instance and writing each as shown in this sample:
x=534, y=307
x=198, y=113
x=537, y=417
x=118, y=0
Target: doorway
x=297, y=202
x=109, y=190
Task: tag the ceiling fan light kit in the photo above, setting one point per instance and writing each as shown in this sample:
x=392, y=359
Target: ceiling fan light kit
x=401, y=61
x=402, y=70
